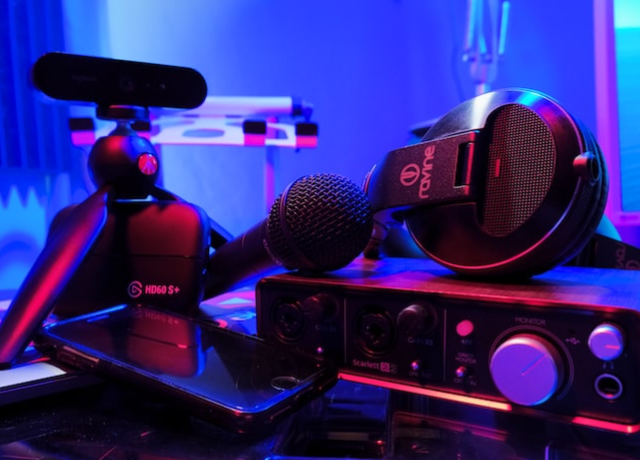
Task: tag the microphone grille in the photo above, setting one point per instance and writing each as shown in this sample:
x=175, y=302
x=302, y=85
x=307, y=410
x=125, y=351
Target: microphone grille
x=320, y=223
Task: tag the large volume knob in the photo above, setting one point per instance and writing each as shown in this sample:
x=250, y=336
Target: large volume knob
x=527, y=369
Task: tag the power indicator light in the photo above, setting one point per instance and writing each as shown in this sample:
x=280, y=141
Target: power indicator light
x=464, y=328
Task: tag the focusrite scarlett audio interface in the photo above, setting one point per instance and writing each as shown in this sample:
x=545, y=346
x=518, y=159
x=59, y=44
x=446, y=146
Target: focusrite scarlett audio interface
x=565, y=344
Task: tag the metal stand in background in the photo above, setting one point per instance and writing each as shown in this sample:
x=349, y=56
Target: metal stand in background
x=484, y=41
x=269, y=122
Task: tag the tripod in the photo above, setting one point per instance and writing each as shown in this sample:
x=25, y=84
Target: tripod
x=128, y=236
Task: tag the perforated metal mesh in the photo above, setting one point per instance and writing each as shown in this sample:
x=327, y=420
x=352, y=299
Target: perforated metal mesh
x=324, y=222
x=520, y=169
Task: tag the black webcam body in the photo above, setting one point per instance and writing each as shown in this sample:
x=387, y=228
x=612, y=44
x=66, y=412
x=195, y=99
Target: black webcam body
x=109, y=82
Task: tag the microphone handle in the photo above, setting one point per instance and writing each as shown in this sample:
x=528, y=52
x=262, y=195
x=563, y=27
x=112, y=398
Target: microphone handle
x=239, y=261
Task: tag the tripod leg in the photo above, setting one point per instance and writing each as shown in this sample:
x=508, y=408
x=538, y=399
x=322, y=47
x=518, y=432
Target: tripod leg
x=50, y=273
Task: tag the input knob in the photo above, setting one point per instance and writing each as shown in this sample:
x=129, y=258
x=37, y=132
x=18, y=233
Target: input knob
x=416, y=319
x=606, y=342
x=527, y=369
x=320, y=307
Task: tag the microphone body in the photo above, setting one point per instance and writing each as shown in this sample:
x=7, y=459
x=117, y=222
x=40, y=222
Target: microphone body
x=239, y=261
x=319, y=223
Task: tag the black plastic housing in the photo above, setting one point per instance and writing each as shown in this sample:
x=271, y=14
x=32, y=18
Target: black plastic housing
x=148, y=252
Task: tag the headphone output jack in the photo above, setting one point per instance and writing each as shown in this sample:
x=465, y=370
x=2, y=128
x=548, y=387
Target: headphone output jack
x=608, y=386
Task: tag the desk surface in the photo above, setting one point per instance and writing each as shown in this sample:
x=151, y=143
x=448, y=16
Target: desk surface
x=107, y=422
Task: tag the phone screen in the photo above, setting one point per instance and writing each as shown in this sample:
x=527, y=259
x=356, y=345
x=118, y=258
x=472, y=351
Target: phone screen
x=230, y=377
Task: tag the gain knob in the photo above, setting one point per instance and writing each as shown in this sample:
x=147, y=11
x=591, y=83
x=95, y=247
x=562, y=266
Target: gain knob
x=606, y=341
x=321, y=307
x=416, y=319
x=527, y=369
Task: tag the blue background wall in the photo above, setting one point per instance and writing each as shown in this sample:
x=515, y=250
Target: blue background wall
x=627, y=17
x=371, y=69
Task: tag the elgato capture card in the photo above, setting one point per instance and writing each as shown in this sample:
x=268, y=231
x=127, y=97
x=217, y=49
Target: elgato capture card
x=562, y=345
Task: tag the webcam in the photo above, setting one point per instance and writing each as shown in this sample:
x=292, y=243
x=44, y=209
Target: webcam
x=113, y=82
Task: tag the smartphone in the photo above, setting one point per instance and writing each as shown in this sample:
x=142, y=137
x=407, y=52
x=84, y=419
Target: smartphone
x=235, y=380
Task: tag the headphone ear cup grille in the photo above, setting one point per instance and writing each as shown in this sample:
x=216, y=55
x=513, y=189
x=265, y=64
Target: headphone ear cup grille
x=521, y=158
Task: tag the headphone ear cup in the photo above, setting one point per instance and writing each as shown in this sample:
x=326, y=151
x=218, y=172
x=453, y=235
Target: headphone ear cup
x=588, y=215
x=544, y=189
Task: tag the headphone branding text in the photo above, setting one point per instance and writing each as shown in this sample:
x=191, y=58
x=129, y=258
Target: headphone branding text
x=427, y=166
x=412, y=172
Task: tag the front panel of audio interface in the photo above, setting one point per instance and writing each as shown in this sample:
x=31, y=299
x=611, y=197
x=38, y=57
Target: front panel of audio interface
x=563, y=344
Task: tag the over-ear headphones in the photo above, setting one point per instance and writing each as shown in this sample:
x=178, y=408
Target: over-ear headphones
x=507, y=184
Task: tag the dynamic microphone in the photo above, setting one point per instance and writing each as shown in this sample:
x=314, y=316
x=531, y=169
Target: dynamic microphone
x=319, y=223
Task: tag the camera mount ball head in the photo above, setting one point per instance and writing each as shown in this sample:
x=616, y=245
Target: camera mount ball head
x=123, y=159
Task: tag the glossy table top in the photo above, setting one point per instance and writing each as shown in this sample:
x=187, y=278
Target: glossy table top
x=107, y=421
